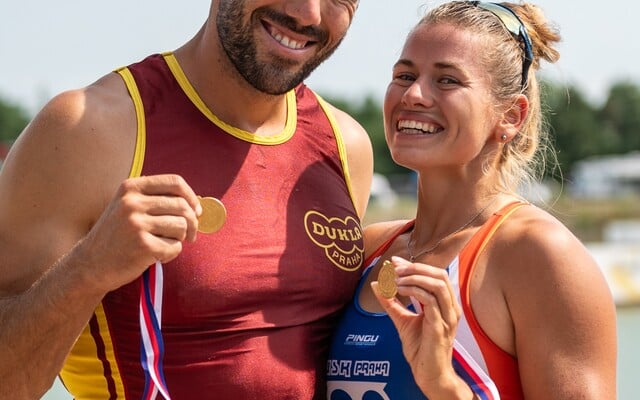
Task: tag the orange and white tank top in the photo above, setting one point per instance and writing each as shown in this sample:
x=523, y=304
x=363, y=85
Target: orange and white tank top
x=366, y=352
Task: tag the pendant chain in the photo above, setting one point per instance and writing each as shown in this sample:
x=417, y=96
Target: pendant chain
x=413, y=257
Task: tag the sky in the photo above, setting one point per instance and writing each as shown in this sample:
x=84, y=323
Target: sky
x=47, y=47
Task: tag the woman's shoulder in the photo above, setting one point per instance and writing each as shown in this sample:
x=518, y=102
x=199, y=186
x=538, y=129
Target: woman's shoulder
x=533, y=245
x=376, y=234
x=533, y=227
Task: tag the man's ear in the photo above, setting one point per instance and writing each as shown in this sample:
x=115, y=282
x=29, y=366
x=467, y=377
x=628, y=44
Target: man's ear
x=512, y=119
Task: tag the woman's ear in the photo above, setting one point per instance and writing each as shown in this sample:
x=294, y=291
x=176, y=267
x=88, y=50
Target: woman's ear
x=512, y=119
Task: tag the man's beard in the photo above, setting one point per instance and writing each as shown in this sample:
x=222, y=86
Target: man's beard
x=272, y=77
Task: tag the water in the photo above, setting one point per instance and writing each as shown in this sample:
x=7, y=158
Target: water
x=628, y=352
x=628, y=358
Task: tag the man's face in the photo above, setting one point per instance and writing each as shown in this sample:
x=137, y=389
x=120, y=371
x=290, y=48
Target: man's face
x=275, y=45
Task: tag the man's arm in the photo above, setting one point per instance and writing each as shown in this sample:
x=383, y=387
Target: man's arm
x=71, y=230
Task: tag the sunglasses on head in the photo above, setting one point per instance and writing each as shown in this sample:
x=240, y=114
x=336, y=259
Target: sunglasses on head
x=515, y=26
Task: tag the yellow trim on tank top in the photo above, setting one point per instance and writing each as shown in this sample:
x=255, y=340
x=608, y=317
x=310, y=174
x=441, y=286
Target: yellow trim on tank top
x=286, y=134
x=342, y=149
x=141, y=139
x=83, y=372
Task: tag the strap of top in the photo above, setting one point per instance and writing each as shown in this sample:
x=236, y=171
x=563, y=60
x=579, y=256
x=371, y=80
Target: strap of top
x=387, y=243
x=502, y=366
x=475, y=246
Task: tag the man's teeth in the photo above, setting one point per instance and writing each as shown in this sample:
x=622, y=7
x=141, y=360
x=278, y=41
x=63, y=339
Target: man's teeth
x=416, y=125
x=287, y=42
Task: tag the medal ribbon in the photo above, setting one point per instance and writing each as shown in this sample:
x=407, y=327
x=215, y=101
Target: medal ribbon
x=467, y=368
x=152, y=349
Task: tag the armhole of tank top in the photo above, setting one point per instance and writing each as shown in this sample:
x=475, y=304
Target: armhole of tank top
x=194, y=97
x=342, y=150
x=465, y=282
x=138, y=156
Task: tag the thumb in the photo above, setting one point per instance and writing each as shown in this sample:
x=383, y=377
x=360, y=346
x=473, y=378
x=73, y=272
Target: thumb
x=392, y=306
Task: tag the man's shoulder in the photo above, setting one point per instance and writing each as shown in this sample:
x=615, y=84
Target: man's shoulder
x=83, y=135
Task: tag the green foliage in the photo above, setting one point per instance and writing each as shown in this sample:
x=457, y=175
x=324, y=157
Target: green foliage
x=13, y=120
x=582, y=130
x=621, y=115
x=369, y=114
x=576, y=130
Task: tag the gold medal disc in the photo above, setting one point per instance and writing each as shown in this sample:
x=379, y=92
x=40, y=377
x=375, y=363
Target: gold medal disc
x=387, y=280
x=213, y=215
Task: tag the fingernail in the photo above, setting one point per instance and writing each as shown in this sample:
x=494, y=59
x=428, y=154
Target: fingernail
x=399, y=260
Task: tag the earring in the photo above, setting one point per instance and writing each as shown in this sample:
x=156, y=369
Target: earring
x=503, y=137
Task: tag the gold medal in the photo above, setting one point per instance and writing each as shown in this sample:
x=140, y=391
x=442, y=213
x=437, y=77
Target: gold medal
x=387, y=280
x=213, y=215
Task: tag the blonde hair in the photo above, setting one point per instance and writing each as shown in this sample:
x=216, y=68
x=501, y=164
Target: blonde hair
x=523, y=158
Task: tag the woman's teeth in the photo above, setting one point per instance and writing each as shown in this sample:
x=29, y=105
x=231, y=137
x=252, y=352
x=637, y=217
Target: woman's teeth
x=420, y=127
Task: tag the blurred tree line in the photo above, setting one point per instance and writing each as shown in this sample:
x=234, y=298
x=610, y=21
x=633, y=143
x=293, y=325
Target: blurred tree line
x=579, y=129
x=13, y=119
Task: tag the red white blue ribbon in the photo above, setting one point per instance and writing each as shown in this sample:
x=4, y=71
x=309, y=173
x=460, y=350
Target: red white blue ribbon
x=152, y=349
x=467, y=368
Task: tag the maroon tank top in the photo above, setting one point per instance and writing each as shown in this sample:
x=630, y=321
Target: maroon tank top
x=248, y=311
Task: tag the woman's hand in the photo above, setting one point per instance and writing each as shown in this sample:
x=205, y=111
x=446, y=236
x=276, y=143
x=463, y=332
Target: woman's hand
x=427, y=337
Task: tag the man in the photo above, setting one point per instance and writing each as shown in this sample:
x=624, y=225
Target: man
x=104, y=184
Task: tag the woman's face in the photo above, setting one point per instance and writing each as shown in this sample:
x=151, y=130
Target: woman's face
x=438, y=108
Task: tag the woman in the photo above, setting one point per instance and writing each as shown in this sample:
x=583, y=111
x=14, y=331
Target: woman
x=495, y=297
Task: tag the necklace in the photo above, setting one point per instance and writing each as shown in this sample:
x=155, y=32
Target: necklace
x=412, y=257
